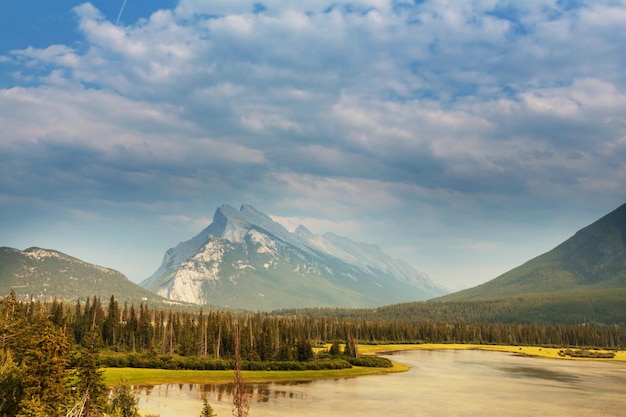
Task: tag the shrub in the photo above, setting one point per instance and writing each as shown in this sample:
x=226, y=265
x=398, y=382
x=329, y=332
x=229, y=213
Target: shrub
x=584, y=353
x=371, y=361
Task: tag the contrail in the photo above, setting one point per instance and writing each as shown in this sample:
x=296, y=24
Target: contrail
x=120, y=14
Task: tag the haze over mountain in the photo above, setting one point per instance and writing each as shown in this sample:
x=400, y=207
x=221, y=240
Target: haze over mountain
x=44, y=274
x=593, y=259
x=245, y=259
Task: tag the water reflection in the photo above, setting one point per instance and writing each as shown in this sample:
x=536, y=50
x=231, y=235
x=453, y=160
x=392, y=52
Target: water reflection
x=541, y=373
x=258, y=392
x=440, y=383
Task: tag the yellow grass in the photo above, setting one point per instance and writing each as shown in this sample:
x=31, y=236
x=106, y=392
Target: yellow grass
x=541, y=352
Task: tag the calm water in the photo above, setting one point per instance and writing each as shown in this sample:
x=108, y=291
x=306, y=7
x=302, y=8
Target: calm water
x=440, y=383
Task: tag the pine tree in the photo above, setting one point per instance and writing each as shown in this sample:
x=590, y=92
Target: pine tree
x=132, y=325
x=284, y=353
x=33, y=407
x=45, y=364
x=11, y=389
x=90, y=376
x=350, y=348
x=12, y=322
x=123, y=401
x=110, y=327
x=207, y=410
x=145, y=331
x=13, y=332
x=77, y=323
x=304, y=351
x=56, y=313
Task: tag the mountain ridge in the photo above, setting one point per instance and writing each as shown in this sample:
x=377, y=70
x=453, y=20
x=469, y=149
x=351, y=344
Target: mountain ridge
x=47, y=274
x=247, y=247
x=593, y=258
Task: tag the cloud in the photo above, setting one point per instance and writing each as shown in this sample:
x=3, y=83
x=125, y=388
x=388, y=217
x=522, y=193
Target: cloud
x=402, y=87
x=365, y=111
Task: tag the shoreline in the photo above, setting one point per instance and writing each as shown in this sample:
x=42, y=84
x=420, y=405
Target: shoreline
x=146, y=376
x=533, y=351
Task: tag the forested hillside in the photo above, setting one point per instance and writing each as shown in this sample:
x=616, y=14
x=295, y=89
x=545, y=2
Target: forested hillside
x=593, y=259
x=603, y=307
x=45, y=275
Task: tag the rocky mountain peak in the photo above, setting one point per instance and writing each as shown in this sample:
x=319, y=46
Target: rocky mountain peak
x=245, y=259
x=233, y=225
x=303, y=233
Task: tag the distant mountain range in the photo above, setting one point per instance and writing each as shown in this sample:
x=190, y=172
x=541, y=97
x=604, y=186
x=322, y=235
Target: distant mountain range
x=581, y=281
x=244, y=259
x=44, y=275
x=593, y=259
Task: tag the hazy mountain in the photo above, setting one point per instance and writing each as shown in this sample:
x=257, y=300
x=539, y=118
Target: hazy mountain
x=593, y=259
x=245, y=259
x=47, y=274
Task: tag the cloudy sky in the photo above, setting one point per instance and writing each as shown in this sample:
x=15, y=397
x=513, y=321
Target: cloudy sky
x=465, y=137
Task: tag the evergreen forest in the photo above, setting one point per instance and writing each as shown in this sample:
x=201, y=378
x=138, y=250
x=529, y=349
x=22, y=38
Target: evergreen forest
x=52, y=354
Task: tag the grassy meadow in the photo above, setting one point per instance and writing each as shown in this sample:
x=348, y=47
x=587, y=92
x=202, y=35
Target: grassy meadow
x=135, y=376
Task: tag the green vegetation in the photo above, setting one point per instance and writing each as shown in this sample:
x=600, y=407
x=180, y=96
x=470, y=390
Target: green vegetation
x=604, y=307
x=58, y=359
x=199, y=340
x=46, y=275
x=123, y=401
x=207, y=410
x=586, y=353
x=592, y=259
x=51, y=355
x=371, y=361
x=44, y=373
x=176, y=362
x=36, y=374
x=163, y=376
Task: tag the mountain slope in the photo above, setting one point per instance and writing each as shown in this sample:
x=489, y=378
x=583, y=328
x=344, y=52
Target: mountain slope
x=245, y=259
x=594, y=258
x=47, y=274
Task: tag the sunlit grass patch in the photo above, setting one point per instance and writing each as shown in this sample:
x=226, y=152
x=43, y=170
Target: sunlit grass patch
x=535, y=351
x=142, y=376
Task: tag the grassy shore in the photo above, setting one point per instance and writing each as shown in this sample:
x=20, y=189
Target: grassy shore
x=135, y=376
x=535, y=351
x=143, y=376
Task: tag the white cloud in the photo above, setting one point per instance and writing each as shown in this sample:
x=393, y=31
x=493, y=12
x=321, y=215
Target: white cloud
x=341, y=108
x=60, y=55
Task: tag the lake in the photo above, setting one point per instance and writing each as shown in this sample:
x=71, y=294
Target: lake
x=440, y=383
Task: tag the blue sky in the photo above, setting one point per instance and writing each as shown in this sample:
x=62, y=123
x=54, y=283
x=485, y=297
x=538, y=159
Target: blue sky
x=464, y=137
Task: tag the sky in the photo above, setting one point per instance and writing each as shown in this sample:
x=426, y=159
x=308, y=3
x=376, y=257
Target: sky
x=465, y=137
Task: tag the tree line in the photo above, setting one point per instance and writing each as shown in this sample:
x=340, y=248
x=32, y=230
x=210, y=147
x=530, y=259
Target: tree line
x=51, y=353
x=600, y=307
x=289, y=337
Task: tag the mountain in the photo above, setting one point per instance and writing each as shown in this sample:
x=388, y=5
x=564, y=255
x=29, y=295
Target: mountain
x=244, y=259
x=47, y=274
x=593, y=259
